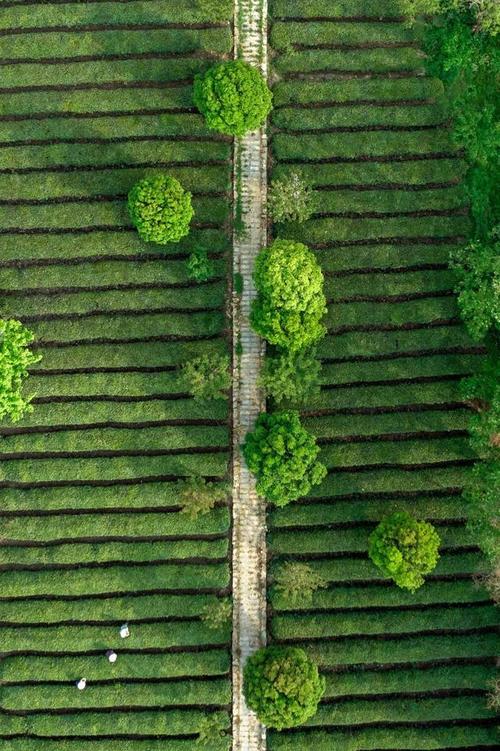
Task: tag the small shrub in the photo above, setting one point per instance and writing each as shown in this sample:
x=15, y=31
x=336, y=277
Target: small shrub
x=290, y=199
x=487, y=15
x=160, y=209
x=238, y=283
x=404, y=549
x=218, y=614
x=473, y=111
x=477, y=268
x=283, y=457
x=481, y=495
x=197, y=496
x=493, y=702
x=490, y=580
x=481, y=185
x=199, y=266
x=482, y=393
x=210, y=731
x=290, y=302
x=297, y=582
x=233, y=97
x=282, y=686
x=207, y=376
x=291, y=376
x=15, y=360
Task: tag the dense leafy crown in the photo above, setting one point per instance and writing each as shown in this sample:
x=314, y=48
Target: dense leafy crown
x=233, y=96
x=485, y=14
x=482, y=392
x=207, y=376
x=15, y=359
x=477, y=268
x=290, y=302
x=160, y=209
x=283, y=686
x=291, y=376
x=283, y=457
x=481, y=495
x=404, y=549
x=290, y=199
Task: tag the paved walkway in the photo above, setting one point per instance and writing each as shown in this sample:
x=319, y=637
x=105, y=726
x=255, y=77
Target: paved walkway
x=249, y=535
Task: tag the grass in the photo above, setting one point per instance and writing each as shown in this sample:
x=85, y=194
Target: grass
x=403, y=670
x=92, y=101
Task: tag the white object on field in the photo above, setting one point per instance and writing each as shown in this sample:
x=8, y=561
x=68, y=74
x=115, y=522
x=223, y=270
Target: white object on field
x=112, y=656
x=81, y=684
x=124, y=631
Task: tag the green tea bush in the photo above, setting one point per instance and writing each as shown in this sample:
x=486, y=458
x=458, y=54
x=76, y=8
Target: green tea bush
x=283, y=457
x=207, y=376
x=290, y=199
x=160, y=209
x=198, y=496
x=482, y=392
x=233, y=96
x=297, y=582
x=15, y=360
x=481, y=495
x=282, y=686
x=199, y=266
x=217, y=614
x=291, y=376
x=210, y=731
x=477, y=269
x=404, y=549
x=484, y=198
x=290, y=302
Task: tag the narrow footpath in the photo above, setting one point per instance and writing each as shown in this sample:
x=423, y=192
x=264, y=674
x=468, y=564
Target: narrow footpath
x=249, y=534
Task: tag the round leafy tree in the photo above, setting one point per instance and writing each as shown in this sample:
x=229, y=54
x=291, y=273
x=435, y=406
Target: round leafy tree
x=233, y=96
x=282, y=686
x=15, y=359
x=291, y=376
x=283, y=457
x=404, y=549
x=290, y=199
x=290, y=302
x=160, y=209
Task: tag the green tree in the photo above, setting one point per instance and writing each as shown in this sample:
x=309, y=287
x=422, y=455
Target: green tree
x=207, y=376
x=210, y=731
x=233, y=96
x=482, y=392
x=282, y=686
x=290, y=302
x=199, y=266
x=217, y=614
x=477, y=269
x=297, y=582
x=404, y=549
x=283, y=457
x=290, y=199
x=481, y=495
x=291, y=376
x=160, y=209
x=15, y=360
x=198, y=496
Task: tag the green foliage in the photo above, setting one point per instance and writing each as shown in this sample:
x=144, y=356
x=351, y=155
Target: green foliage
x=291, y=376
x=290, y=302
x=233, y=96
x=481, y=183
x=482, y=392
x=297, y=582
x=487, y=15
x=283, y=457
x=414, y=8
x=160, y=209
x=238, y=283
x=283, y=686
x=214, y=10
x=453, y=48
x=199, y=266
x=211, y=729
x=290, y=199
x=482, y=494
x=477, y=267
x=15, y=360
x=217, y=614
x=198, y=496
x=207, y=376
x=474, y=114
x=405, y=549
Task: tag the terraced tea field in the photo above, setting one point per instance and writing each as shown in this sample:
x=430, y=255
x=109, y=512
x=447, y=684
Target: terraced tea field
x=93, y=97
x=357, y=117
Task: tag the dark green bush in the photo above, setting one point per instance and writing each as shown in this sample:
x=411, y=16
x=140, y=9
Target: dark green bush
x=477, y=268
x=404, y=549
x=233, y=97
x=207, y=376
x=297, y=582
x=15, y=360
x=290, y=302
x=160, y=209
x=198, y=496
x=290, y=199
x=481, y=495
x=482, y=392
x=283, y=456
x=282, y=686
x=291, y=376
x=199, y=266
